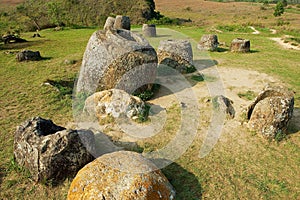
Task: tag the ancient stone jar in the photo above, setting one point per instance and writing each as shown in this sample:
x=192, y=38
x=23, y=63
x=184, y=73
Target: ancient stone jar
x=121, y=175
x=51, y=152
x=122, y=22
x=177, y=54
x=240, y=45
x=149, y=30
x=271, y=111
x=208, y=42
x=117, y=59
x=27, y=55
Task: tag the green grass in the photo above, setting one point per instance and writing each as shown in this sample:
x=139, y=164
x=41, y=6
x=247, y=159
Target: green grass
x=248, y=95
x=241, y=166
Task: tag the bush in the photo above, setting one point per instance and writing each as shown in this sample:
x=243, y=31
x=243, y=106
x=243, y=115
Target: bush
x=279, y=9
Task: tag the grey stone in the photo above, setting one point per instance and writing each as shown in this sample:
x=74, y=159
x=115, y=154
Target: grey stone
x=208, y=42
x=271, y=111
x=149, y=30
x=177, y=54
x=240, y=45
x=117, y=59
x=115, y=103
x=224, y=105
x=109, y=24
x=122, y=22
x=27, y=55
x=51, y=152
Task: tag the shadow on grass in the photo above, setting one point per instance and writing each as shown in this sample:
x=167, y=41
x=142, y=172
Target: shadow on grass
x=65, y=87
x=254, y=51
x=2, y=175
x=204, y=63
x=22, y=45
x=220, y=49
x=185, y=183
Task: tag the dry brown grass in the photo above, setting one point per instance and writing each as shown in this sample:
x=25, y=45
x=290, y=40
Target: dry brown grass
x=207, y=13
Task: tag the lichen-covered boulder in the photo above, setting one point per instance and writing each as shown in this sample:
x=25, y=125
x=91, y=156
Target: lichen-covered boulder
x=271, y=111
x=121, y=175
x=27, y=55
x=208, y=42
x=240, y=45
x=122, y=22
x=51, y=152
x=177, y=54
x=115, y=103
x=224, y=105
x=117, y=59
x=149, y=30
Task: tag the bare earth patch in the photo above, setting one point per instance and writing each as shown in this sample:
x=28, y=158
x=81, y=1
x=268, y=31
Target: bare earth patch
x=285, y=45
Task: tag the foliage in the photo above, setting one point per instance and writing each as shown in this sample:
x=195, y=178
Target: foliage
x=279, y=9
x=40, y=14
x=248, y=95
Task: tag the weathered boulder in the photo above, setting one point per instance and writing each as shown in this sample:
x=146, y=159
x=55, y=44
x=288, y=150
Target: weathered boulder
x=240, y=45
x=121, y=175
x=117, y=59
x=149, y=30
x=177, y=54
x=224, y=105
x=27, y=55
x=271, y=111
x=115, y=103
x=208, y=42
x=122, y=22
x=51, y=152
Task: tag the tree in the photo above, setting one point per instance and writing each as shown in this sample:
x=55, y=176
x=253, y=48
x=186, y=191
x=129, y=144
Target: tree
x=279, y=9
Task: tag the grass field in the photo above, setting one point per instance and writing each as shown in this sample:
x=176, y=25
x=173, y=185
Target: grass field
x=241, y=166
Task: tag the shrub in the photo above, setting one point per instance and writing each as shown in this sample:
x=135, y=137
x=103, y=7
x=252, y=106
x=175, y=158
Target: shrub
x=279, y=9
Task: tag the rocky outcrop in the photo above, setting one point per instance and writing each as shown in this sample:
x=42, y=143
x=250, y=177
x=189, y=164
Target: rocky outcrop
x=224, y=105
x=121, y=175
x=27, y=55
x=115, y=103
x=177, y=54
x=51, y=152
x=240, y=45
x=271, y=111
x=117, y=59
x=149, y=30
x=208, y=42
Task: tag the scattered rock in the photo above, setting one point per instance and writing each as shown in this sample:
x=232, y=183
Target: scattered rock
x=240, y=45
x=122, y=22
x=117, y=59
x=208, y=42
x=121, y=175
x=271, y=111
x=149, y=30
x=36, y=35
x=51, y=152
x=115, y=103
x=69, y=62
x=224, y=105
x=177, y=54
x=27, y=55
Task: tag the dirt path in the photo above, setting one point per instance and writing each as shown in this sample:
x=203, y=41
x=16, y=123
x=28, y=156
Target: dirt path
x=285, y=45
